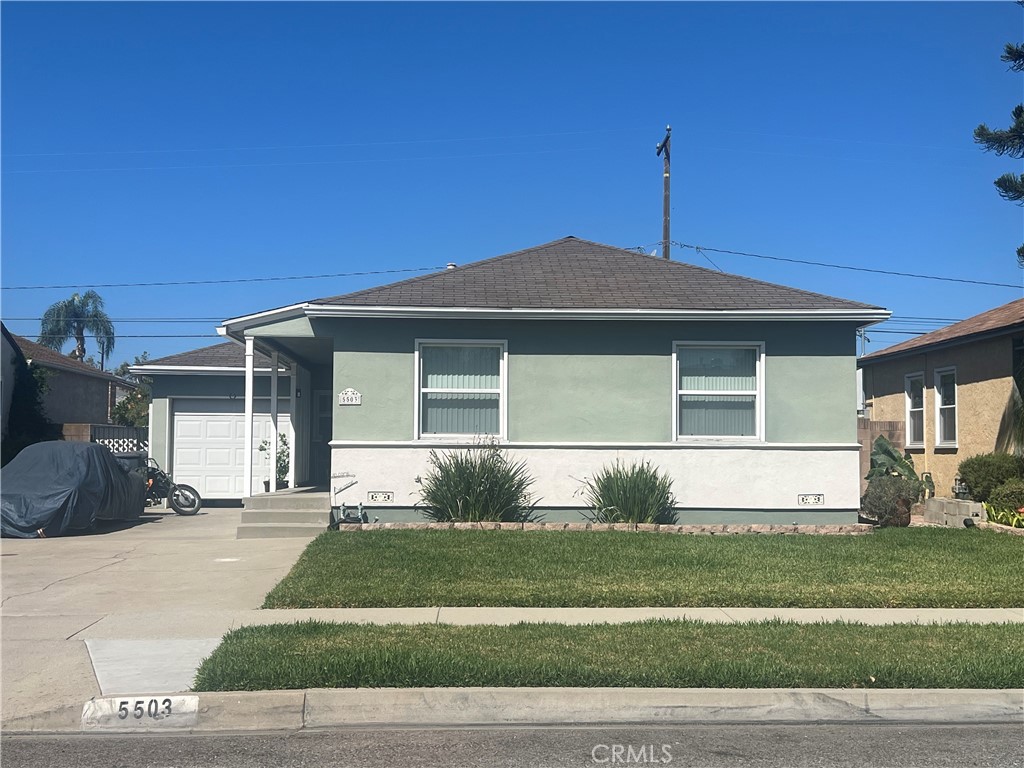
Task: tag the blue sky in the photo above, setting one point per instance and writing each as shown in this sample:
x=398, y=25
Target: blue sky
x=157, y=142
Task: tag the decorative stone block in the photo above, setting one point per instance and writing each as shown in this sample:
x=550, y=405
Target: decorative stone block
x=647, y=527
x=489, y=525
x=510, y=526
x=577, y=526
x=533, y=526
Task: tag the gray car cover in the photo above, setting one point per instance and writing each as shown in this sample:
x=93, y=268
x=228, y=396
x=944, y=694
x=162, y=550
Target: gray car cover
x=58, y=487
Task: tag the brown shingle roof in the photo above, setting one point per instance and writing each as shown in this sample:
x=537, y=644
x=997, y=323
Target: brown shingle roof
x=50, y=358
x=226, y=355
x=1001, y=318
x=578, y=274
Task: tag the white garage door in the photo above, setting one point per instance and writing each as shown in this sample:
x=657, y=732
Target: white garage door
x=209, y=445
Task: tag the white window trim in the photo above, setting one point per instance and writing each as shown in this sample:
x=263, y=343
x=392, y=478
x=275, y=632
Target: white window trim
x=759, y=373
x=907, y=409
x=502, y=390
x=937, y=374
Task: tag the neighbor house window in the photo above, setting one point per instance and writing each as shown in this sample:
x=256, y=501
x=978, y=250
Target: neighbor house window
x=718, y=390
x=915, y=409
x=460, y=388
x=945, y=406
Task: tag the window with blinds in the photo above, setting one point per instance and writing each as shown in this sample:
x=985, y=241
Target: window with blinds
x=718, y=392
x=460, y=389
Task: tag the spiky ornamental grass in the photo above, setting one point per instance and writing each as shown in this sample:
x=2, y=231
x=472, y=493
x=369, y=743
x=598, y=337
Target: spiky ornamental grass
x=638, y=493
x=477, y=484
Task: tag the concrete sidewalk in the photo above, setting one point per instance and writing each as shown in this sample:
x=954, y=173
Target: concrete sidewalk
x=136, y=610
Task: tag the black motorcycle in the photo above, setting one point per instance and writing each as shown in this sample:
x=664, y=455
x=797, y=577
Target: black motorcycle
x=184, y=499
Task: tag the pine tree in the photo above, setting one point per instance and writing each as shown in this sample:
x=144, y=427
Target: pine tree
x=1009, y=141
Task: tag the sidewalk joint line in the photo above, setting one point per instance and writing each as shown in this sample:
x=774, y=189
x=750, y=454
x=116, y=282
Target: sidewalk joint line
x=90, y=624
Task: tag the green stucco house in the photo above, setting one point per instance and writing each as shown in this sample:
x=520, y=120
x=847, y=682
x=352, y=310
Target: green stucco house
x=571, y=355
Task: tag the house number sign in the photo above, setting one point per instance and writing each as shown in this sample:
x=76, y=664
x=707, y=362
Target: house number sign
x=349, y=397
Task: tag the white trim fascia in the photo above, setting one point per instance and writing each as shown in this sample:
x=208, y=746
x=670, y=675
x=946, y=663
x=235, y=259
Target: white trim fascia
x=235, y=324
x=224, y=397
x=677, y=445
x=869, y=316
x=202, y=370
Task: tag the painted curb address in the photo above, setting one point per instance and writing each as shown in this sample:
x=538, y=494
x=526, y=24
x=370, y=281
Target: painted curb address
x=334, y=708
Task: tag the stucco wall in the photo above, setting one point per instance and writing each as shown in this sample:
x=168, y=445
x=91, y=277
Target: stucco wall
x=751, y=484
x=599, y=381
x=166, y=385
x=984, y=393
x=75, y=398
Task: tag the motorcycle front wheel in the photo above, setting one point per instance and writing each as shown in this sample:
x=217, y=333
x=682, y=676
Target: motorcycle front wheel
x=185, y=499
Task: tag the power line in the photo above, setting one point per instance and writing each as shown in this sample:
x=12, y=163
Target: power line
x=218, y=282
x=852, y=269
x=307, y=162
x=168, y=320
x=118, y=337
x=320, y=146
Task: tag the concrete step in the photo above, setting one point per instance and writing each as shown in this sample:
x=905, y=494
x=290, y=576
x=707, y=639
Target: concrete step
x=279, y=531
x=262, y=516
x=288, y=501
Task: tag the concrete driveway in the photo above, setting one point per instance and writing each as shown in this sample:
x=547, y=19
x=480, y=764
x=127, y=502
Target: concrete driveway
x=100, y=614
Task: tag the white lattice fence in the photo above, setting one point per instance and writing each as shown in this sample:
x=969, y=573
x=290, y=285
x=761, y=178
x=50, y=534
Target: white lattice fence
x=121, y=439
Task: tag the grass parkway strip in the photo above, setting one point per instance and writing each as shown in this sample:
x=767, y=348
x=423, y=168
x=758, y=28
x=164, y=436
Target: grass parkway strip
x=684, y=654
x=893, y=568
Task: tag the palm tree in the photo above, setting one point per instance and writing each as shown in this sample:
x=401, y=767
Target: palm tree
x=71, y=319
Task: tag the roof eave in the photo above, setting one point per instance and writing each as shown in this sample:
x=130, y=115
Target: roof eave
x=198, y=370
x=104, y=375
x=883, y=356
x=867, y=316
x=234, y=327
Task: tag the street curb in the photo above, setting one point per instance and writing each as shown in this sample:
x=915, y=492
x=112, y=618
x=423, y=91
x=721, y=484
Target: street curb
x=425, y=707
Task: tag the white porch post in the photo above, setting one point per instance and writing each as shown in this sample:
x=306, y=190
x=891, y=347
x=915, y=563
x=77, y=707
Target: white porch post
x=273, y=421
x=247, y=457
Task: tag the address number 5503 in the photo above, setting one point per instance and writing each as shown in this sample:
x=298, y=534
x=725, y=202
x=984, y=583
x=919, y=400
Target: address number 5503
x=143, y=708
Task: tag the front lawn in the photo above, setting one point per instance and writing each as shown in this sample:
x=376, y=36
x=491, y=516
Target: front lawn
x=678, y=654
x=917, y=567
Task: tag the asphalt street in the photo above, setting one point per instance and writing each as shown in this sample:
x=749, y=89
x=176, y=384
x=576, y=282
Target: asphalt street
x=695, y=746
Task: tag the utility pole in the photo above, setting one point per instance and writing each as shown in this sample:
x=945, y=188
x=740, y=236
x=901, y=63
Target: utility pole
x=664, y=148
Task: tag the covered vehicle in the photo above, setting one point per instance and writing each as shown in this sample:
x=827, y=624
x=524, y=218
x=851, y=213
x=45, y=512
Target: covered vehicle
x=54, y=488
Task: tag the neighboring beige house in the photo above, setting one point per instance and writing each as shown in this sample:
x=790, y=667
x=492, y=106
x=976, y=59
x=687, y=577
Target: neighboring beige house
x=76, y=393
x=955, y=390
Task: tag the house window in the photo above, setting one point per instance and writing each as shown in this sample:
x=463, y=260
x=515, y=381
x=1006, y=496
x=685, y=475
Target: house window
x=718, y=390
x=945, y=406
x=460, y=388
x=915, y=409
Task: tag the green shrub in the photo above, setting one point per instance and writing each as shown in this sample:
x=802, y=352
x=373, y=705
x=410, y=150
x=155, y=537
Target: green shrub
x=1010, y=517
x=983, y=473
x=638, y=493
x=888, y=461
x=888, y=499
x=1008, y=496
x=477, y=484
